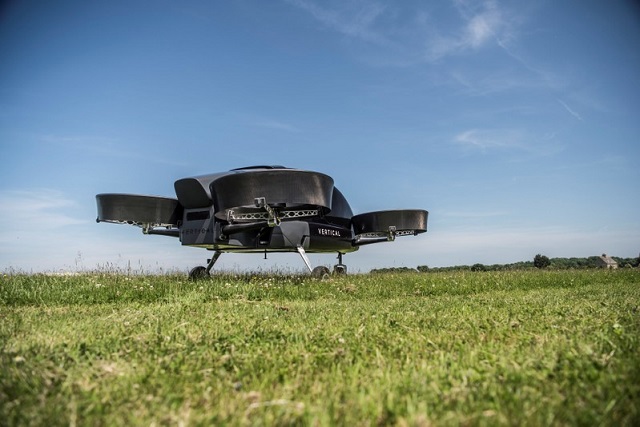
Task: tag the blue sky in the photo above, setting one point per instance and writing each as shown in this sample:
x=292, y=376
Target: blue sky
x=515, y=124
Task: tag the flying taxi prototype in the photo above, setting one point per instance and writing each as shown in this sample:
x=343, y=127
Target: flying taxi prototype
x=261, y=209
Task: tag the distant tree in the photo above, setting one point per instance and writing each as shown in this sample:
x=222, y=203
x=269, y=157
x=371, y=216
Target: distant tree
x=626, y=262
x=592, y=262
x=541, y=261
x=423, y=268
x=478, y=267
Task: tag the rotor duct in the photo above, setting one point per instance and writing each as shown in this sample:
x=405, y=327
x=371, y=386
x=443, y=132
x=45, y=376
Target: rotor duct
x=409, y=220
x=138, y=209
x=282, y=188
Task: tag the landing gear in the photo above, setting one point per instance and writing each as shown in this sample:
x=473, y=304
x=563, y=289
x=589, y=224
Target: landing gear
x=305, y=258
x=339, y=269
x=200, y=272
x=321, y=272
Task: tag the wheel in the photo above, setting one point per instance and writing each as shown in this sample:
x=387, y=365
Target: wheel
x=198, y=273
x=321, y=272
x=340, y=269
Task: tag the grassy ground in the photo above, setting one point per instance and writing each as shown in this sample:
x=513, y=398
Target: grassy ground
x=512, y=348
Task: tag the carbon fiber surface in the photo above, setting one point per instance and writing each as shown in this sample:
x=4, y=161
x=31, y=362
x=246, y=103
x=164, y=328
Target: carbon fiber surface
x=138, y=209
x=284, y=188
x=379, y=222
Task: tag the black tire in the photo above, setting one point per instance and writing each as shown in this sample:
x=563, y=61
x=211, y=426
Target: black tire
x=198, y=273
x=138, y=209
x=340, y=270
x=321, y=273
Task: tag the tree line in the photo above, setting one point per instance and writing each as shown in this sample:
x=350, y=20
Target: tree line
x=539, y=261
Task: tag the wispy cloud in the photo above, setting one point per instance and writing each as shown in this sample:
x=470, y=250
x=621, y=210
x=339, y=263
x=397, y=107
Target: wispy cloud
x=475, y=214
x=354, y=19
x=399, y=35
x=46, y=233
x=104, y=146
x=519, y=142
x=406, y=35
x=30, y=210
x=276, y=125
x=570, y=110
x=501, y=80
x=481, y=25
x=39, y=229
x=485, y=139
x=375, y=23
x=77, y=140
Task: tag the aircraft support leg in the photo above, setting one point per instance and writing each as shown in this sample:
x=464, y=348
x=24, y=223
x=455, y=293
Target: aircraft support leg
x=321, y=272
x=303, y=254
x=213, y=261
x=339, y=268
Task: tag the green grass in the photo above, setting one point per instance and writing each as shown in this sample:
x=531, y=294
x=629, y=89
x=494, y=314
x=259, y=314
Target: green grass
x=510, y=348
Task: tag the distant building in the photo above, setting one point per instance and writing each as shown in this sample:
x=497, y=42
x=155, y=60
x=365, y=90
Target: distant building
x=605, y=261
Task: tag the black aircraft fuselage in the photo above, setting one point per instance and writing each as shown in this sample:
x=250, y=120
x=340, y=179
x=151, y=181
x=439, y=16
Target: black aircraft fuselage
x=260, y=209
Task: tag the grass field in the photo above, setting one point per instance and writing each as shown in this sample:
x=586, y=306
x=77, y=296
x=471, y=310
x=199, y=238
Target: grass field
x=508, y=348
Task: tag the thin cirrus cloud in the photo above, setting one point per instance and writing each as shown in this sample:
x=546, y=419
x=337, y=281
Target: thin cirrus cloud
x=371, y=22
x=36, y=208
x=275, y=125
x=45, y=222
x=486, y=139
x=104, y=146
x=570, y=110
x=478, y=29
x=36, y=218
x=354, y=19
x=475, y=214
x=425, y=40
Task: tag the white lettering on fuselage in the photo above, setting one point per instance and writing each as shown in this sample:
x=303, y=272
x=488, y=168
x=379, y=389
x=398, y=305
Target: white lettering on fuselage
x=329, y=232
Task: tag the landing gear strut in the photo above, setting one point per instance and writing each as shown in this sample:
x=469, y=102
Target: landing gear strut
x=322, y=272
x=340, y=269
x=201, y=272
